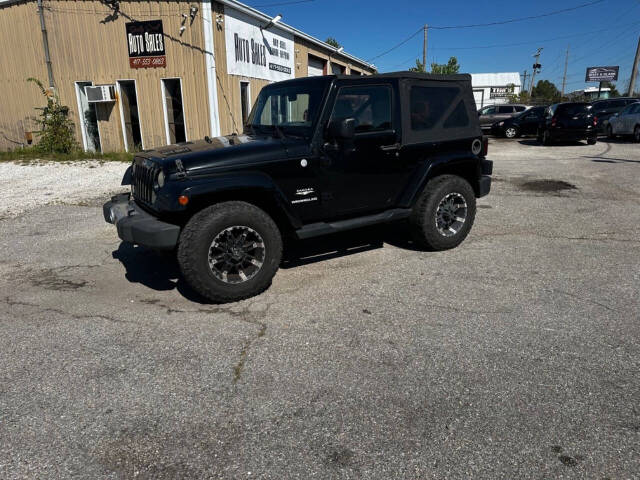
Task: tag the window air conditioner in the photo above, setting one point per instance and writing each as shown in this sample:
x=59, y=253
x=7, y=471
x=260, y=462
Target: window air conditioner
x=101, y=93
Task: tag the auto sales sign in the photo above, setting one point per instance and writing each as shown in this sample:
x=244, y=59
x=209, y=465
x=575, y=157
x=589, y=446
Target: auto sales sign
x=145, y=41
x=255, y=52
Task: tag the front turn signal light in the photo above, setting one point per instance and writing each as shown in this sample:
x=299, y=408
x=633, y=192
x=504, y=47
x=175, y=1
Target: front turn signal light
x=183, y=200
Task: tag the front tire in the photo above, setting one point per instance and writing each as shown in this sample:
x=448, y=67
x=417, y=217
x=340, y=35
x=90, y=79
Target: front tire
x=546, y=138
x=444, y=213
x=230, y=251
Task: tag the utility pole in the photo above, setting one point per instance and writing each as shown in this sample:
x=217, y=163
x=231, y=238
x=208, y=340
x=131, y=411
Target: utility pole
x=536, y=67
x=564, y=77
x=524, y=81
x=634, y=72
x=424, y=47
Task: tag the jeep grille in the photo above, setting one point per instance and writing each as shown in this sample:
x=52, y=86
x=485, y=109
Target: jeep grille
x=144, y=175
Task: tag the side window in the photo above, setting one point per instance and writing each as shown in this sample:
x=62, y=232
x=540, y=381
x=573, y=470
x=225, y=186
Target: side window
x=635, y=108
x=520, y=108
x=505, y=109
x=370, y=106
x=428, y=105
x=458, y=117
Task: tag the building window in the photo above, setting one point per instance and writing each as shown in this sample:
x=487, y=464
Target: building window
x=173, y=110
x=88, y=119
x=245, y=101
x=129, y=115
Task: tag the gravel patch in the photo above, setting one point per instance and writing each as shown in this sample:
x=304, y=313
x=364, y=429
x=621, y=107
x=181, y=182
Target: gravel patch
x=26, y=187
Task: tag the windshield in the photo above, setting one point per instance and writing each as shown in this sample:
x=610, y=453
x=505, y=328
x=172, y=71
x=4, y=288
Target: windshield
x=286, y=110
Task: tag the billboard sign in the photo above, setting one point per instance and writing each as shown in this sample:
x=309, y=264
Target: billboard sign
x=145, y=41
x=602, y=74
x=257, y=53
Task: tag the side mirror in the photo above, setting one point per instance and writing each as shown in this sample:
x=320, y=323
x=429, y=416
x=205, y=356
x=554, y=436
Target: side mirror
x=343, y=129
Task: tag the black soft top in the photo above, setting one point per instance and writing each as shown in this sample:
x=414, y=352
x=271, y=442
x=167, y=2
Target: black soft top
x=458, y=77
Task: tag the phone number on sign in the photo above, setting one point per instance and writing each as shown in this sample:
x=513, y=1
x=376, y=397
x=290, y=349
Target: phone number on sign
x=148, y=62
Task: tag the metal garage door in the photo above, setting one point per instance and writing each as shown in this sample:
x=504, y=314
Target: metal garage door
x=316, y=67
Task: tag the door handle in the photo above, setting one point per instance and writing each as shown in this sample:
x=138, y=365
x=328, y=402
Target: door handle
x=390, y=148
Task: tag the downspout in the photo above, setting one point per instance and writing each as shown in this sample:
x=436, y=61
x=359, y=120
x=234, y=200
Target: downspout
x=209, y=24
x=45, y=43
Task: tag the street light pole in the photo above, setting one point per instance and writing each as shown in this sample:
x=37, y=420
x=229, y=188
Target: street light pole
x=536, y=67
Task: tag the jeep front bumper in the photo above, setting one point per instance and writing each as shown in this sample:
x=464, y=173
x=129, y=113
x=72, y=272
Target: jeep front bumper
x=134, y=225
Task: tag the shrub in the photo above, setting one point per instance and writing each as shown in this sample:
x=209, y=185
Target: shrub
x=56, y=134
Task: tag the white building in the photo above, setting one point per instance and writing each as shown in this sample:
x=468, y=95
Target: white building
x=494, y=88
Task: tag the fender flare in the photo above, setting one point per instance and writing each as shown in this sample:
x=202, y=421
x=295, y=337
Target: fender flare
x=245, y=182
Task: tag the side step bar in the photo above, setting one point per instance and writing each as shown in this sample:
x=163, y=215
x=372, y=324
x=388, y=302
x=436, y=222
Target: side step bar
x=322, y=228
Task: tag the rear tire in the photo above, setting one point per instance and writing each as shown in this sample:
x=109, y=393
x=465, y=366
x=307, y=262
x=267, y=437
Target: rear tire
x=610, y=134
x=546, y=138
x=444, y=213
x=511, y=132
x=230, y=251
x=636, y=134
x=592, y=141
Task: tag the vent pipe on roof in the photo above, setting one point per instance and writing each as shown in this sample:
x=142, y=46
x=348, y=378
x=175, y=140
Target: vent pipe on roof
x=45, y=43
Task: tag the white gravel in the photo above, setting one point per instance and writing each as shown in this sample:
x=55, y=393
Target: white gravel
x=25, y=187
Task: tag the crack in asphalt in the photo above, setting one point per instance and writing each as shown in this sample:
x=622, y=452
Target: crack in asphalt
x=234, y=314
x=76, y=316
x=586, y=300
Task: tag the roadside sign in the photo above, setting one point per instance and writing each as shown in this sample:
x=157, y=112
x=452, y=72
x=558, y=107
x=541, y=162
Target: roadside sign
x=602, y=74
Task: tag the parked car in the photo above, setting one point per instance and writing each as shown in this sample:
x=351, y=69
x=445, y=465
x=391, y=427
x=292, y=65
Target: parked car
x=492, y=113
x=525, y=123
x=567, y=121
x=603, y=110
x=627, y=122
x=318, y=155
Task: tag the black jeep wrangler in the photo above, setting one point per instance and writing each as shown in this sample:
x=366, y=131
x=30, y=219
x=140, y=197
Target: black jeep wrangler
x=318, y=155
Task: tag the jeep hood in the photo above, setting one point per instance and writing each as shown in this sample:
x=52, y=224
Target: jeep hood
x=217, y=152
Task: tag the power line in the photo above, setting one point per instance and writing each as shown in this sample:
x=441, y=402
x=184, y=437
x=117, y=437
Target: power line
x=521, y=19
x=420, y=30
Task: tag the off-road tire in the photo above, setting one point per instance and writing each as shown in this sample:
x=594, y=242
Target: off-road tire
x=511, y=132
x=592, y=140
x=423, y=220
x=195, y=243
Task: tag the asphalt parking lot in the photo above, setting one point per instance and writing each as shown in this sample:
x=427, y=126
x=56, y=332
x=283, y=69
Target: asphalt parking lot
x=516, y=355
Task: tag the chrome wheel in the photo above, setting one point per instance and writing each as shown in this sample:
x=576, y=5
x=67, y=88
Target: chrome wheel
x=510, y=132
x=236, y=254
x=451, y=214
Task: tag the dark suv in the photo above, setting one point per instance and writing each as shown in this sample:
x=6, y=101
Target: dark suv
x=567, y=121
x=318, y=155
x=603, y=110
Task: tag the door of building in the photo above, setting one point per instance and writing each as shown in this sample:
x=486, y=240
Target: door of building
x=173, y=110
x=88, y=119
x=316, y=67
x=129, y=115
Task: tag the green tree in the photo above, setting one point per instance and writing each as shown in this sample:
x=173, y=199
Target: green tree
x=57, y=132
x=333, y=42
x=614, y=91
x=420, y=67
x=545, y=91
x=451, y=67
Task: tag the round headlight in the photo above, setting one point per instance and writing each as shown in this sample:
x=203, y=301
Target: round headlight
x=161, y=179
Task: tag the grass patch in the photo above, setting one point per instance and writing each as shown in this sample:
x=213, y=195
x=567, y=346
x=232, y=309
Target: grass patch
x=31, y=154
